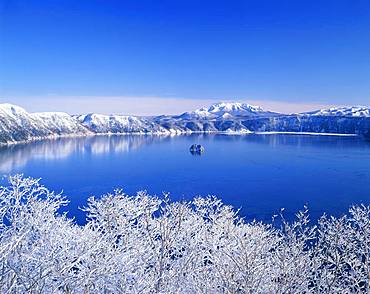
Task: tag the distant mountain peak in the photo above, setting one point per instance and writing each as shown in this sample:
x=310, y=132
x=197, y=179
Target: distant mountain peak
x=232, y=107
x=227, y=110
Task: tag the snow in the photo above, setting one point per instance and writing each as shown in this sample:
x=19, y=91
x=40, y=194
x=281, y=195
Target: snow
x=235, y=108
x=12, y=110
x=17, y=125
x=237, y=132
x=60, y=121
x=227, y=110
x=306, y=133
x=354, y=111
x=147, y=244
x=115, y=123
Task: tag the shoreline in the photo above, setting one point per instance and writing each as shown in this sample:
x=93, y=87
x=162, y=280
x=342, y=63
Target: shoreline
x=172, y=134
x=307, y=134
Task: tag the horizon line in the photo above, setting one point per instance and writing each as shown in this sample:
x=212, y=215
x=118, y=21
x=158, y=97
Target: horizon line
x=151, y=105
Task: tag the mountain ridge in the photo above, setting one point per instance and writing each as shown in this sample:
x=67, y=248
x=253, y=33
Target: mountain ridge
x=18, y=125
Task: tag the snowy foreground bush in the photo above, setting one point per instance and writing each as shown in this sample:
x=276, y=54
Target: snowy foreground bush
x=143, y=244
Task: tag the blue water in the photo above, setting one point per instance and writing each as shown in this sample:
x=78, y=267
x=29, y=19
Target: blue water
x=258, y=173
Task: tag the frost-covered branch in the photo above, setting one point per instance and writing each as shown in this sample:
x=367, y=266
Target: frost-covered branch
x=145, y=244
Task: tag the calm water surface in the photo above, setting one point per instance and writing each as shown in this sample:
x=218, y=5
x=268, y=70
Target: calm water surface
x=258, y=173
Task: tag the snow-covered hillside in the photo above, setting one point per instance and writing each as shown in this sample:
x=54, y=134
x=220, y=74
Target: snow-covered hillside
x=357, y=111
x=60, y=122
x=99, y=123
x=16, y=124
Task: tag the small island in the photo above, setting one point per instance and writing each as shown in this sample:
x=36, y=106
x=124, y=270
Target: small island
x=196, y=149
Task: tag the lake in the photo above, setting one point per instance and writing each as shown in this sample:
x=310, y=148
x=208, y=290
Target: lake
x=258, y=173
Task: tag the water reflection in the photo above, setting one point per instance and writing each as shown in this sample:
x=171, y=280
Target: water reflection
x=261, y=173
x=14, y=157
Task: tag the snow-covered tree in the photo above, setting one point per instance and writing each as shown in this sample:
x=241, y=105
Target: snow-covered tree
x=146, y=244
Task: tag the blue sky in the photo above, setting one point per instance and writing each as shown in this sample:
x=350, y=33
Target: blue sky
x=122, y=54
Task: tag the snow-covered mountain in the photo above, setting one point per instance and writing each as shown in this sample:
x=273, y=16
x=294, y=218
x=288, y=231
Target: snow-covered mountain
x=99, y=123
x=16, y=124
x=60, y=122
x=354, y=111
x=226, y=110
